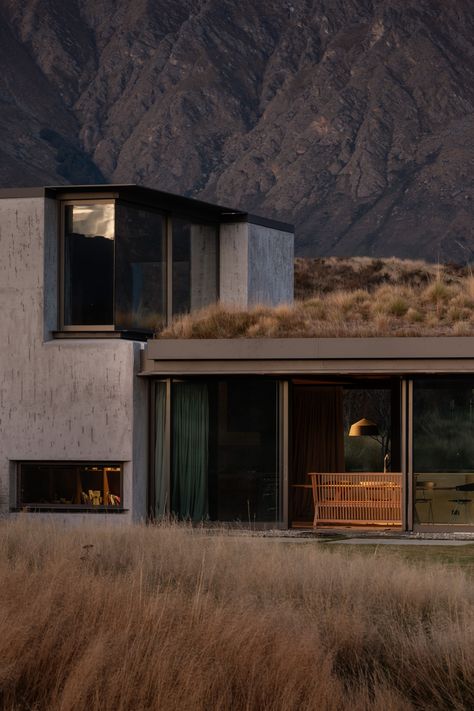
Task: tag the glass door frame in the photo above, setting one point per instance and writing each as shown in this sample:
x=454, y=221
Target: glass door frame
x=282, y=427
x=405, y=443
x=151, y=488
x=412, y=524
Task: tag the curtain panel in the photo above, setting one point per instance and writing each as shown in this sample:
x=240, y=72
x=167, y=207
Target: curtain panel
x=161, y=483
x=190, y=433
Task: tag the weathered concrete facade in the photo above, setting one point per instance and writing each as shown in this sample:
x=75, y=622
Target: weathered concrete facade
x=71, y=395
x=256, y=265
x=270, y=265
x=74, y=400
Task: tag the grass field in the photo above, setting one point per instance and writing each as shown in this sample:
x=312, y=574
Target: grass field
x=171, y=618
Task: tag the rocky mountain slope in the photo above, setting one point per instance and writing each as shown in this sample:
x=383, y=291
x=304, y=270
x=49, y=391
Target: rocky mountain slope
x=351, y=118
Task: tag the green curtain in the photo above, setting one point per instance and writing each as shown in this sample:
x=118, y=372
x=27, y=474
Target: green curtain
x=161, y=483
x=190, y=450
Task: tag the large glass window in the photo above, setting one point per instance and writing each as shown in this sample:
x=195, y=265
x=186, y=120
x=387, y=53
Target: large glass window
x=244, y=461
x=194, y=265
x=224, y=459
x=89, y=265
x=70, y=485
x=140, y=269
x=129, y=267
x=443, y=450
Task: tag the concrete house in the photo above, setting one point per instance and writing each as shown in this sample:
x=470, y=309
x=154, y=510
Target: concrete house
x=98, y=417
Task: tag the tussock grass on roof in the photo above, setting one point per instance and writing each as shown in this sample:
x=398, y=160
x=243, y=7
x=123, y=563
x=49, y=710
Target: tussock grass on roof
x=400, y=299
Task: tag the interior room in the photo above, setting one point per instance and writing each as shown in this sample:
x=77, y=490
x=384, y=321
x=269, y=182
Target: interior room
x=345, y=452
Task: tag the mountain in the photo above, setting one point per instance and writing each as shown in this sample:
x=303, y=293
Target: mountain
x=351, y=118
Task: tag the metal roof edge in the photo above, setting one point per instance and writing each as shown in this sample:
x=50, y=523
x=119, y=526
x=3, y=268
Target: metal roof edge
x=226, y=214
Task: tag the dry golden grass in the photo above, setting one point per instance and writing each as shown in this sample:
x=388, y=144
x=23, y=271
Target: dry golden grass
x=398, y=298
x=325, y=274
x=435, y=309
x=169, y=618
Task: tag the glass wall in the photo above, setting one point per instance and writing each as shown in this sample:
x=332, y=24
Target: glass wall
x=195, y=271
x=224, y=451
x=443, y=450
x=89, y=265
x=140, y=269
x=123, y=262
x=244, y=464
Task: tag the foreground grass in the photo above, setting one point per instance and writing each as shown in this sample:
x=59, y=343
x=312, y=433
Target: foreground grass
x=360, y=298
x=169, y=618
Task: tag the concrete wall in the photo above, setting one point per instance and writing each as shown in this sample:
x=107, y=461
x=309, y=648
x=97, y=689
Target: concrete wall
x=60, y=400
x=256, y=265
x=203, y=266
x=270, y=261
x=233, y=264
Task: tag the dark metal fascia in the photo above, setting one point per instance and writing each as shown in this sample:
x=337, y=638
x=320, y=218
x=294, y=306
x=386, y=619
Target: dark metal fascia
x=169, y=202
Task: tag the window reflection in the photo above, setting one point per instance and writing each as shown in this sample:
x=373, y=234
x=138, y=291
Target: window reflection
x=194, y=265
x=443, y=450
x=89, y=265
x=443, y=421
x=140, y=269
x=444, y=498
x=93, y=220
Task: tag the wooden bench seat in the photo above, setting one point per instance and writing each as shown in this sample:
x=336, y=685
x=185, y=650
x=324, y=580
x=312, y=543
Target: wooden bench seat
x=357, y=498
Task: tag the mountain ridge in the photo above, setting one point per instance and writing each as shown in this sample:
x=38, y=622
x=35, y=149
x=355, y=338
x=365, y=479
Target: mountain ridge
x=351, y=118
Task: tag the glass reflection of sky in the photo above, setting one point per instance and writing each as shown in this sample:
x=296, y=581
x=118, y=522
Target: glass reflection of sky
x=93, y=220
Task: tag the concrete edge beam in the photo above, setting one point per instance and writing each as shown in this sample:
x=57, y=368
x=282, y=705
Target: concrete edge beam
x=429, y=348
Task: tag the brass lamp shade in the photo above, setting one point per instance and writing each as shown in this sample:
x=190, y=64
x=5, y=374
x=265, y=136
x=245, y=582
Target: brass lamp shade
x=363, y=427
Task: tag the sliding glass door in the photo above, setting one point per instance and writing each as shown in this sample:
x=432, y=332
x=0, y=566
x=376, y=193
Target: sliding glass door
x=443, y=451
x=218, y=459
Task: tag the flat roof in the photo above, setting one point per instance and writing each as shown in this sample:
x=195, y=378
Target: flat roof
x=293, y=356
x=311, y=348
x=148, y=196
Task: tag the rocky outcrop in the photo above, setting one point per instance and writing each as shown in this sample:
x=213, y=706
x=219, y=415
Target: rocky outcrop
x=351, y=118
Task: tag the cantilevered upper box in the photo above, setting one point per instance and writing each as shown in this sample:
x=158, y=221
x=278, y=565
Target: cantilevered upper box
x=130, y=258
